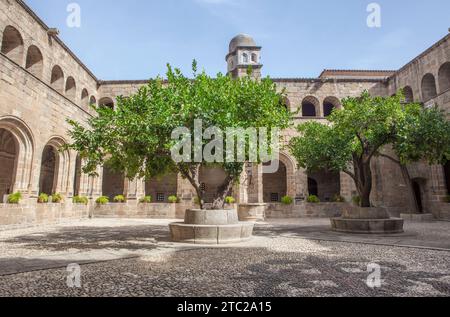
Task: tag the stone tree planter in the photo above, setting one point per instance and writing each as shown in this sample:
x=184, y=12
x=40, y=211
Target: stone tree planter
x=211, y=227
x=367, y=220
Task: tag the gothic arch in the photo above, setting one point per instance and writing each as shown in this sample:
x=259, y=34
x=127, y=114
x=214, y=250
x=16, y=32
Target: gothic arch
x=55, y=165
x=12, y=44
x=35, y=61
x=282, y=182
x=429, y=90
x=24, y=148
x=310, y=107
x=92, y=101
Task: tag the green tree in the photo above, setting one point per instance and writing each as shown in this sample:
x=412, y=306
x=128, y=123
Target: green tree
x=136, y=137
x=363, y=130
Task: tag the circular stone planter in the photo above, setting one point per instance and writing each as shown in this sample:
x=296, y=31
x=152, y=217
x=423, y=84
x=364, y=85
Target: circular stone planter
x=252, y=212
x=211, y=227
x=367, y=221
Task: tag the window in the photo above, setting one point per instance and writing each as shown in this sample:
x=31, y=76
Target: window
x=203, y=187
x=274, y=197
x=254, y=58
x=245, y=58
x=160, y=197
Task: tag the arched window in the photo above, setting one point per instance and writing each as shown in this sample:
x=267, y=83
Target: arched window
x=71, y=88
x=106, y=102
x=12, y=44
x=409, y=95
x=444, y=77
x=35, y=62
x=85, y=98
x=93, y=101
x=245, y=58
x=57, y=79
x=428, y=87
x=329, y=105
x=310, y=107
x=254, y=58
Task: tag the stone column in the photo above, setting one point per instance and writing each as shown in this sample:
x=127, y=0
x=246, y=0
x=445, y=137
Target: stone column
x=255, y=187
x=347, y=187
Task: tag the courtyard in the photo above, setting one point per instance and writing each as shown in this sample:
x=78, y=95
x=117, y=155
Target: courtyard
x=286, y=257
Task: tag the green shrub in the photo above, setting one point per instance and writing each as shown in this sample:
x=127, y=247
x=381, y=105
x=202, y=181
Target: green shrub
x=119, y=199
x=338, y=199
x=287, y=200
x=14, y=198
x=356, y=200
x=102, y=200
x=230, y=200
x=57, y=198
x=173, y=199
x=43, y=198
x=313, y=199
x=447, y=199
x=146, y=200
x=80, y=200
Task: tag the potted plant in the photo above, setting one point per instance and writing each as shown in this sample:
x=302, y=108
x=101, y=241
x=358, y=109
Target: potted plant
x=287, y=200
x=120, y=199
x=14, y=198
x=173, y=199
x=57, y=198
x=146, y=200
x=81, y=200
x=103, y=200
x=43, y=198
x=313, y=199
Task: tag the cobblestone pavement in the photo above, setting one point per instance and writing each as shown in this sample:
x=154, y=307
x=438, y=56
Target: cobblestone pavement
x=280, y=261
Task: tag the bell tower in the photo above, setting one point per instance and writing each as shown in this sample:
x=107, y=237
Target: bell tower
x=244, y=53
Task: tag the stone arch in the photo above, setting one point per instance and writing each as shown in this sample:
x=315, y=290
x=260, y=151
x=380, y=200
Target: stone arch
x=84, y=98
x=211, y=178
x=420, y=195
x=93, y=101
x=8, y=162
x=254, y=58
x=54, y=167
x=429, y=90
x=310, y=107
x=409, y=95
x=57, y=79
x=35, y=61
x=113, y=183
x=444, y=77
x=245, y=58
x=330, y=104
x=282, y=183
x=24, y=152
x=106, y=102
x=71, y=88
x=12, y=44
x=324, y=184
x=162, y=187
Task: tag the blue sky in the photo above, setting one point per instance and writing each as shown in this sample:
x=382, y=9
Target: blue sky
x=134, y=39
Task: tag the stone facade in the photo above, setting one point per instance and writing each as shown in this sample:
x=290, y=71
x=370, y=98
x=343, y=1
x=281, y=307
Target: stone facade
x=42, y=84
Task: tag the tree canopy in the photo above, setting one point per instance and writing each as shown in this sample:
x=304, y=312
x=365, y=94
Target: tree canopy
x=363, y=129
x=136, y=137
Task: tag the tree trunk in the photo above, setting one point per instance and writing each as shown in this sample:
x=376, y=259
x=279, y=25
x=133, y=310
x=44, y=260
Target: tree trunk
x=224, y=189
x=363, y=179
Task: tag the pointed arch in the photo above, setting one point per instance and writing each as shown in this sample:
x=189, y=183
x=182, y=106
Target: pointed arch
x=429, y=90
x=444, y=77
x=35, y=61
x=310, y=107
x=71, y=88
x=57, y=79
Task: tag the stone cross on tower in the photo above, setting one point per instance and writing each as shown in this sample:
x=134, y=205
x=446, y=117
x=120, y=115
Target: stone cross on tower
x=244, y=53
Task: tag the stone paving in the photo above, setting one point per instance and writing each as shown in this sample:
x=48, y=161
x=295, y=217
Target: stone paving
x=286, y=258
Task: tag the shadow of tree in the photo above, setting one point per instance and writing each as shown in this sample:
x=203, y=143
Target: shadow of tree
x=95, y=238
